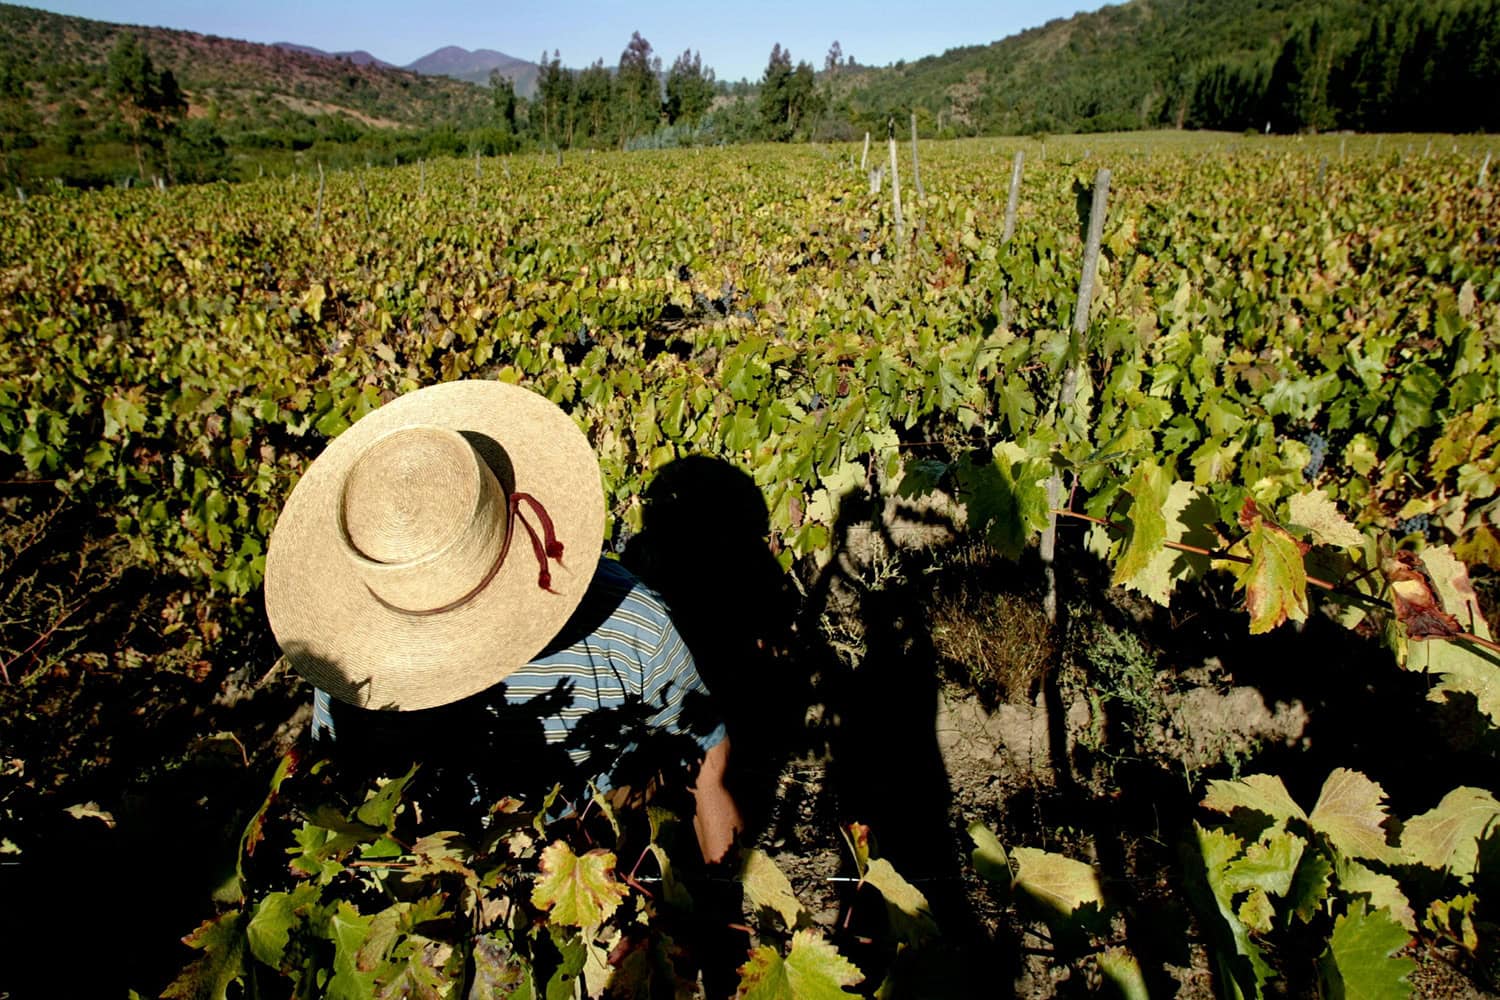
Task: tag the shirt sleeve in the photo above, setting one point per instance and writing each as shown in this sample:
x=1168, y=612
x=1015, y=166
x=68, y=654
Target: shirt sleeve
x=672, y=683
x=322, y=716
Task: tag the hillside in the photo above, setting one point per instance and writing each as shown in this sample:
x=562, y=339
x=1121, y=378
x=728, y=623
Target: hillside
x=61, y=63
x=1210, y=63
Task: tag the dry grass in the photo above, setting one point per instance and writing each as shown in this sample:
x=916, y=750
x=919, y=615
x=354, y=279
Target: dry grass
x=1000, y=644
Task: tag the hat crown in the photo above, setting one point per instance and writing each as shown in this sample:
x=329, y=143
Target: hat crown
x=424, y=520
x=409, y=494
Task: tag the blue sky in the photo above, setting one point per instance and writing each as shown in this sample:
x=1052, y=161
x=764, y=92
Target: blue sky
x=735, y=39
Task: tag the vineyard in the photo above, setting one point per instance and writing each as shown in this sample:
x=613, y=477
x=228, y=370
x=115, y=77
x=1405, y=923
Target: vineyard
x=994, y=590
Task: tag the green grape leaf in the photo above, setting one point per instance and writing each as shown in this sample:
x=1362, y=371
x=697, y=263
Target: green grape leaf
x=1059, y=883
x=921, y=477
x=1317, y=515
x=1447, y=836
x=1358, y=964
x=1275, y=581
x=574, y=952
x=379, y=810
x=1262, y=793
x=989, y=856
x=1413, y=402
x=1005, y=499
x=1148, y=487
x=272, y=920
x=1350, y=812
x=1310, y=885
x=766, y=886
x=1267, y=866
x=577, y=891
x=911, y=917
x=812, y=970
x=222, y=941
x=1246, y=968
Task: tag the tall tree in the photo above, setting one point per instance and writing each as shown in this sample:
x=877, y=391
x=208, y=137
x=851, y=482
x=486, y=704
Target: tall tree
x=503, y=101
x=690, y=89
x=148, y=102
x=554, y=97
x=1297, y=94
x=834, y=61
x=788, y=97
x=638, y=88
x=593, y=88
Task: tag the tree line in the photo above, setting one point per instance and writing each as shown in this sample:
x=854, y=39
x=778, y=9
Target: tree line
x=1418, y=67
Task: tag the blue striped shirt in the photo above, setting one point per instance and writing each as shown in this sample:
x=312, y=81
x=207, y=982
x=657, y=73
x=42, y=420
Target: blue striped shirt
x=617, y=677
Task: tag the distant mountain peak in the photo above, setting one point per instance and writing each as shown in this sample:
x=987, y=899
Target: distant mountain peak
x=358, y=57
x=475, y=66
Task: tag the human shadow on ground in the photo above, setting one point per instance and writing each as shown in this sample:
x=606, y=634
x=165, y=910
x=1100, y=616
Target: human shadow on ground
x=787, y=696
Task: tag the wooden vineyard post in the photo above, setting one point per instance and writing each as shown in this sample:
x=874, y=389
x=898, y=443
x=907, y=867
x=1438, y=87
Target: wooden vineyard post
x=916, y=170
x=1069, y=388
x=896, y=185
x=364, y=196
x=422, y=179
x=476, y=166
x=1322, y=174
x=1342, y=139
x=876, y=175
x=318, y=215
x=1484, y=168
x=1007, y=305
x=1014, y=199
x=863, y=157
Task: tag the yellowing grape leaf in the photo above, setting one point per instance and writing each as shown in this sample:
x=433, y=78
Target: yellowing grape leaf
x=578, y=891
x=1315, y=512
x=1349, y=812
x=1413, y=595
x=222, y=941
x=1275, y=580
x=1059, y=883
x=1185, y=513
x=1256, y=911
x=1382, y=891
x=1358, y=963
x=767, y=886
x=1124, y=973
x=911, y=917
x=1262, y=793
x=812, y=970
x=989, y=857
x=1447, y=836
x=1148, y=487
x=1463, y=667
x=1267, y=866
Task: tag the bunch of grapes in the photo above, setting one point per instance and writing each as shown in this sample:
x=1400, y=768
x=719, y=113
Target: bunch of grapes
x=1418, y=524
x=1317, y=446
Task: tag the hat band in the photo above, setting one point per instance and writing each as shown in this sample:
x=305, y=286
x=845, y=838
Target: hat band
x=544, y=548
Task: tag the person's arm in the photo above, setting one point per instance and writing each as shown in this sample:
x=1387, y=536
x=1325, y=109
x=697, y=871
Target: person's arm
x=716, y=820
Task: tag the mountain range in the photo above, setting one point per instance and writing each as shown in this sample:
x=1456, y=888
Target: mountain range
x=450, y=61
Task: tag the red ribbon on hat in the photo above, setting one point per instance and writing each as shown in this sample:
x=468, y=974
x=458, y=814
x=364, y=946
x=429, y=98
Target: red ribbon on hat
x=551, y=549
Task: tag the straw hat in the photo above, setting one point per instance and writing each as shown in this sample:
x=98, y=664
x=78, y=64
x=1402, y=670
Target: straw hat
x=435, y=546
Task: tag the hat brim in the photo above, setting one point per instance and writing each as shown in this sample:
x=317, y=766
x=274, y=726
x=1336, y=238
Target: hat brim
x=339, y=636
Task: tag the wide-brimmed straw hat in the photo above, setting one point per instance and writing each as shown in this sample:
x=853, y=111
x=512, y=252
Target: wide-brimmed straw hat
x=435, y=546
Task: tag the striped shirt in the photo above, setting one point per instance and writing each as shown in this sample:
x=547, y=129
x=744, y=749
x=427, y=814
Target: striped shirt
x=616, y=694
